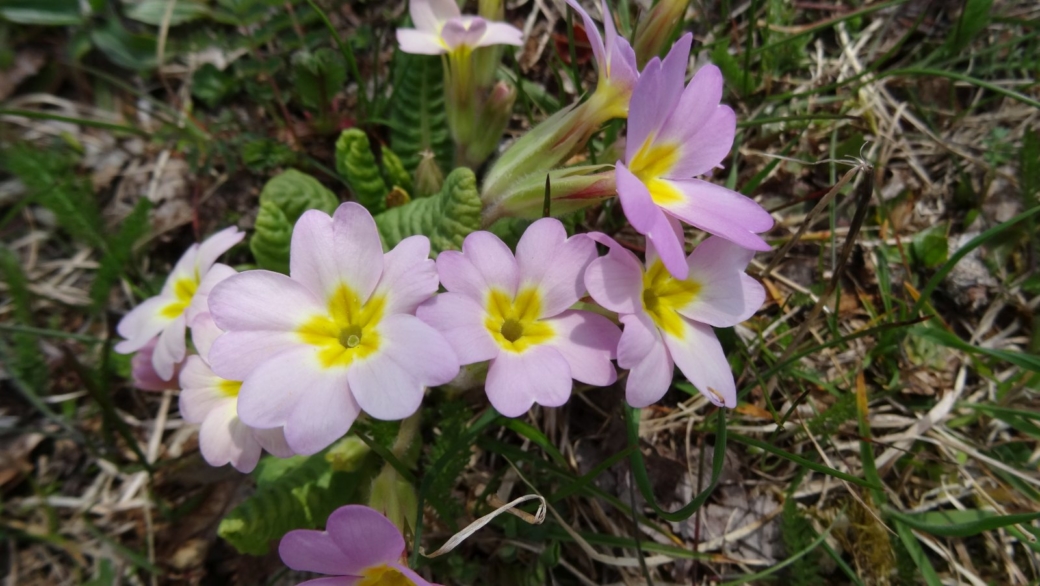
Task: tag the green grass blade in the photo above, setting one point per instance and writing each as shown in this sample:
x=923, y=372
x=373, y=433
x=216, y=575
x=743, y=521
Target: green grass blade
x=959, y=523
x=768, y=447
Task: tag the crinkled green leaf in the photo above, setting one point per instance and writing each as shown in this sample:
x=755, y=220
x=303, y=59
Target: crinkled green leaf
x=356, y=163
x=283, y=200
x=419, y=121
x=446, y=218
x=394, y=172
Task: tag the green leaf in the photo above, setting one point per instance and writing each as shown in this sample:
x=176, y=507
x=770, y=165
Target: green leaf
x=112, y=264
x=264, y=153
x=446, y=218
x=394, y=172
x=974, y=19
x=318, y=77
x=297, y=493
x=43, y=12
x=212, y=85
x=153, y=12
x=418, y=117
x=913, y=547
x=282, y=201
x=356, y=163
x=951, y=340
x=741, y=82
x=123, y=48
x=801, y=461
x=930, y=246
x=959, y=523
x=26, y=360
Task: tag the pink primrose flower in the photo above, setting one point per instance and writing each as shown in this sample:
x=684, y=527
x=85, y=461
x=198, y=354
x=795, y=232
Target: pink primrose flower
x=673, y=136
x=167, y=314
x=142, y=371
x=212, y=402
x=516, y=313
x=336, y=336
x=441, y=28
x=359, y=547
x=668, y=321
x=615, y=58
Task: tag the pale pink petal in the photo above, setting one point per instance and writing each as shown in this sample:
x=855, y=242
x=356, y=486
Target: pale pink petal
x=698, y=354
x=463, y=32
x=461, y=320
x=409, y=276
x=636, y=202
x=365, y=537
x=262, y=300
x=333, y=581
x=419, y=42
x=637, y=340
x=412, y=356
x=273, y=440
x=200, y=301
x=277, y=386
x=224, y=439
x=517, y=381
x=722, y=212
x=485, y=263
x=698, y=102
x=430, y=15
x=650, y=379
x=615, y=281
x=170, y=349
x=305, y=550
x=656, y=95
x=185, y=268
x=704, y=149
x=214, y=246
x=323, y=410
x=313, y=255
x=500, y=33
x=588, y=341
x=235, y=355
x=727, y=296
x=142, y=371
x=201, y=392
x=142, y=324
x=554, y=264
x=592, y=32
x=357, y=248
x=667, y=241
x=204, y=332
x=621, y=58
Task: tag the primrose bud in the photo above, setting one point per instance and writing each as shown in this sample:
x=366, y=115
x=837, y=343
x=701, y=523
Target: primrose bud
x=491, y=122
x=395, y=498
x=428, y=176
x=655, y=29
x=570, y=189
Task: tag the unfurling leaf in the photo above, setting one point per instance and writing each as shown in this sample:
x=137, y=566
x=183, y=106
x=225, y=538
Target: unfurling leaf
x=419, y=120
x=446, y=218
x=356, y=163
x=283, y=200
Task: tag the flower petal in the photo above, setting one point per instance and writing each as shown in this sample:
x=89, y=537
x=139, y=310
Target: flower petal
x=262, y=301
x=637, y=340
x=185, y=268
x=699, y=356
x=463, y=32
x=200, y=393
x=204, y=332
x=200, y=301
x=650, y=379
x=656, y=95
x=323, y=412
x=333, y=581
x=214, y=246
x=305, y=550
x=142, y=371
x=620, y=57
x=461, y=320
x=667, y=242
x=517, y=381
x=588, y=341
x=722, y=212
x=554, y=264
x=500, y=33
x=390, y=384
x=705, y=148
x=273, y=440
x=430, y=15
x=615, y=281
x=365, y=537
x=420, y=42
x=224, y=439
x=727, y=296
x=592, y=33
x=235, y=355
x=409, y=276
x=636, y=202
x=484, y=263
x=345, y=249
x=411, y=575
x=142, y=324
x=170, y=349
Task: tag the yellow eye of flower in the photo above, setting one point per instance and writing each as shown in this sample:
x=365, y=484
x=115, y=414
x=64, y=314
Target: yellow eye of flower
x=664, y=294
x=514, y=323
x=348, y=331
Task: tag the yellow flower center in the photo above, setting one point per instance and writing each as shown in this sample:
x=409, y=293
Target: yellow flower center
x=183, y=290
x=230, y=388
x=384, y=576
x=652, y=162
x=348, y=332
x=664, y=294
x=513, y=323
